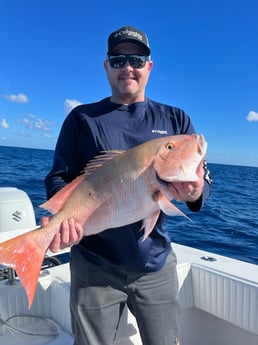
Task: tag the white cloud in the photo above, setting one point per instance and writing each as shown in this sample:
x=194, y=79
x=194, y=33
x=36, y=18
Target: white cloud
x=4, y=123
x=34, y=123
x=20, y=98
x=24, y=134
x=47, y=135
x=252, y=116
x=70, y=104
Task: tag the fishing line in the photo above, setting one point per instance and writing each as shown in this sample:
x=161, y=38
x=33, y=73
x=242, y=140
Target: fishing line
x=30, y=325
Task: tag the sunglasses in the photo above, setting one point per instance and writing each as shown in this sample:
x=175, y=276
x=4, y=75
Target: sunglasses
x=135, y=60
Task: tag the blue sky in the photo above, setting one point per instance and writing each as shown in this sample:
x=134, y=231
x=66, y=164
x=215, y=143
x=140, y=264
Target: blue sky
x=205, y=57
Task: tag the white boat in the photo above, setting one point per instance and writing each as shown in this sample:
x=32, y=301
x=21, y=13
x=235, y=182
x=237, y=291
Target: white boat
x=218, y=296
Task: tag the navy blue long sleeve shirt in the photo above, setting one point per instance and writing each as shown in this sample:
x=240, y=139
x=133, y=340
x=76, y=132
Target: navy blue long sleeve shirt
x=102, y=126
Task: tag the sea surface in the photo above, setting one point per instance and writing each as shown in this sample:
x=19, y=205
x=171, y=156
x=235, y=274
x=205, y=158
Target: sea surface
x=226, y=225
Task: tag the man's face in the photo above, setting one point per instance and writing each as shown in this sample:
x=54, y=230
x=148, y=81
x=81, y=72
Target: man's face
x=128, y=83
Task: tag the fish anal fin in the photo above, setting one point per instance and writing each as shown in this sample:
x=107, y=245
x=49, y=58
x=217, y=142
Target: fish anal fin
x=55, y=203
x=149, y=223
x=26, y=257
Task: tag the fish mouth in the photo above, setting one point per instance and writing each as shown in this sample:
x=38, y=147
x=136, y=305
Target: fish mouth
x=178, y=178
x=202, y=145
x=162, y=181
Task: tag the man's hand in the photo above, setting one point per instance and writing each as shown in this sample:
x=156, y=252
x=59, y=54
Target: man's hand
x=188, y=191
x=70, y=233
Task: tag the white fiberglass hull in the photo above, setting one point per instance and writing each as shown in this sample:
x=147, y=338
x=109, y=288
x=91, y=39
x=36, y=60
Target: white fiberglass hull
x=219, y=301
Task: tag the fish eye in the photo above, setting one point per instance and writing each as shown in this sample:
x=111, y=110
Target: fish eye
x=169, y=146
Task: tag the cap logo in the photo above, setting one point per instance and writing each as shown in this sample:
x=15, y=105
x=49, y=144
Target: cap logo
x=129, y=33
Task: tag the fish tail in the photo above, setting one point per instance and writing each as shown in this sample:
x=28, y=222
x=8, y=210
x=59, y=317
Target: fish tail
x=25, y=253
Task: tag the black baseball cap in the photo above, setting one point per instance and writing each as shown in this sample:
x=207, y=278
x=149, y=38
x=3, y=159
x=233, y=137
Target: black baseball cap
x=128, y=34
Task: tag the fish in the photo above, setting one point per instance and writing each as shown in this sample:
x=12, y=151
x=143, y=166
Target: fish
x=116, y=188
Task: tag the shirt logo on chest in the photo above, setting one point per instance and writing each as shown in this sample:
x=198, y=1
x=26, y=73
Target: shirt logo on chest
x=160, y=131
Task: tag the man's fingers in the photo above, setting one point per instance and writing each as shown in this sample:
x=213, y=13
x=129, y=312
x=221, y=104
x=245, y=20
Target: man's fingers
x=44, y=221
x=55, y=244
x=70, y=233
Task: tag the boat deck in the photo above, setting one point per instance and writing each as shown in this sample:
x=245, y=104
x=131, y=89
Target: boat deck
x=218, y=296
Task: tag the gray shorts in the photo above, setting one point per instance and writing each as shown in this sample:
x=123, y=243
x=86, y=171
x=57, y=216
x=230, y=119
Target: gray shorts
x=99, y=295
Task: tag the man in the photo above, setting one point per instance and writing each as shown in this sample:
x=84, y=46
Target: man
x=115, y=268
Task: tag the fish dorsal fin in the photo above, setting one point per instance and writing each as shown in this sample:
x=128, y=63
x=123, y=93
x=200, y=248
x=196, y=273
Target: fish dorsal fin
x=100, y=160
x=55, y=204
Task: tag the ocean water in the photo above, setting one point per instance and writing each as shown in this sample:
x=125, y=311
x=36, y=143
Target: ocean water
x=226, y=225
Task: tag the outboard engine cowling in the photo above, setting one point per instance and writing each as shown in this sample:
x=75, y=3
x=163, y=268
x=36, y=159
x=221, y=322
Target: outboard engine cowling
x=16, y=210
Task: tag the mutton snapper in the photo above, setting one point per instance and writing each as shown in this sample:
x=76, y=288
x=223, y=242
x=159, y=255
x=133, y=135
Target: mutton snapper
x=117, y=188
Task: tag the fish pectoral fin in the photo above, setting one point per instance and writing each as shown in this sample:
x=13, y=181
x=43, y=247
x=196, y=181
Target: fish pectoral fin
x=166, y=206
x=24, y=255
x=149, y=223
